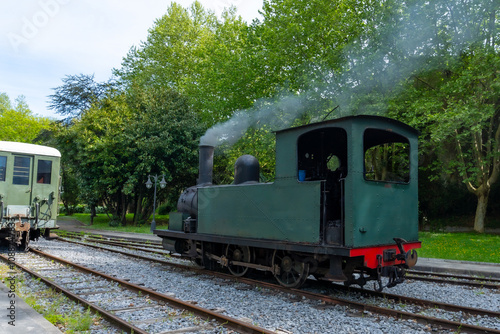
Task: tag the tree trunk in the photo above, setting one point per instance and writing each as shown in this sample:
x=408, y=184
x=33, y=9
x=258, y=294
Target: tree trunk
x=482, y=205
x=92, y=213
x=138, y=207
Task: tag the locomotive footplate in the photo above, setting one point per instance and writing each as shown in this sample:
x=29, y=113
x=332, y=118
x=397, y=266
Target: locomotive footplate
x=270, y=244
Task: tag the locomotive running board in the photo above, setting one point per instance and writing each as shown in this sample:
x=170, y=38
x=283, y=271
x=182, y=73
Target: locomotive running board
x=271, y=244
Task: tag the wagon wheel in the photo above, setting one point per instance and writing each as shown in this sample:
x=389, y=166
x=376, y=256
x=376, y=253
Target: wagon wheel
x=241, y=254
x=292, y=273
x=25, y=241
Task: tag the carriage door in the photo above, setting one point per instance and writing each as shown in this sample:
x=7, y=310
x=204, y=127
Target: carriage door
x=21, y=180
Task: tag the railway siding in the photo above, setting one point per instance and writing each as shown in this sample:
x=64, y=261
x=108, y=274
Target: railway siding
x=216, y=295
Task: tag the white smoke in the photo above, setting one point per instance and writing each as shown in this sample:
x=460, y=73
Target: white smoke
x=276, y=114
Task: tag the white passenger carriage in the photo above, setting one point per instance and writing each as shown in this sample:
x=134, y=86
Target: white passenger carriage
x=29, y=191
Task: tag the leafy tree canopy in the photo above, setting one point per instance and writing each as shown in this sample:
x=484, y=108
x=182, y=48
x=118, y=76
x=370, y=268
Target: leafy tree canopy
x=198, y=55
x=17, y=123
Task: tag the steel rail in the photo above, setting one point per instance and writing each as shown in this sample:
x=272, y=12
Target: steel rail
x=224, y=320
x=449, y=275
x=449, y=281
x=416, y=301
x=128, y=327
x=152, y=249
x=137, y=256
x=454, y=325
x=102, y=236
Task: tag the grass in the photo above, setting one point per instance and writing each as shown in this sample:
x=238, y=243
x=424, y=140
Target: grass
x=460, y=246
x=101, y=222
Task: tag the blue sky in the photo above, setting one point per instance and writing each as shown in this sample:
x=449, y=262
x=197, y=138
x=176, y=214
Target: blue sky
x=42, y=41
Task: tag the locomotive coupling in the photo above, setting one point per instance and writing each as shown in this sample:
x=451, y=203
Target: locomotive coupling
x=410, y=257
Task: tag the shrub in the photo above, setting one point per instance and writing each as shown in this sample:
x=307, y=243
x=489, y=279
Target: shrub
x=165, y=208
x=115, y=221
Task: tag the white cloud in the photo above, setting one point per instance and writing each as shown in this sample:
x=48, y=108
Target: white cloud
x=41, y=41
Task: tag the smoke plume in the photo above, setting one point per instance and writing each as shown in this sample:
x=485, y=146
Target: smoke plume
x=276, y=114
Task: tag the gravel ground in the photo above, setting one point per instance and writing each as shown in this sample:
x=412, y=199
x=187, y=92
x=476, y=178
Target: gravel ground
x=270, y=309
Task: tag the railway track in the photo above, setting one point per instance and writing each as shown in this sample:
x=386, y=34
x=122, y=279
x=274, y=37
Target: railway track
x=478, y=282
x=140, y=308
x=420, y=305
x=155, y=247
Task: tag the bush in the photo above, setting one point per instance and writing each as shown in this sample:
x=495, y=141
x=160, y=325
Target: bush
x=98, y=209
x=80, y=208
x=166, y=208
x=115, y=221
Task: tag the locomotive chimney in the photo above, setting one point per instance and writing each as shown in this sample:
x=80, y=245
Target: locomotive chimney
x=206, y=164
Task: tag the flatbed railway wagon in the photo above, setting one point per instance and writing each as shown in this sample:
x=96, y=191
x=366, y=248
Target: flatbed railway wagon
x=29, y=191
x=343, y=207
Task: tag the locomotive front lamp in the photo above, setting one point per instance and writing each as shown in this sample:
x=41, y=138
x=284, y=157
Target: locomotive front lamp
x=149, y=185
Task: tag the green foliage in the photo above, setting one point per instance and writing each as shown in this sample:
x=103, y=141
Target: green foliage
x=76, y=95
x=80, y=322
x=115, y=221
x=258, y=142
x=301, y=43
x=457, y=110
x=17, y=123
x=167, y=207
x=121, y=139
x=194, y=53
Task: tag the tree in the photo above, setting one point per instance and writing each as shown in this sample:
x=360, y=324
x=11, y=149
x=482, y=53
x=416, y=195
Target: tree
x=453, y=96
x=163, y=136
x=17, y=123
x=462, y=106
x=121, y=139
x=77, y=94
x=198, y=55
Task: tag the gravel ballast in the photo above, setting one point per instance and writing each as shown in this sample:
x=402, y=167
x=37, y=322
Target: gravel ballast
x=273, y=310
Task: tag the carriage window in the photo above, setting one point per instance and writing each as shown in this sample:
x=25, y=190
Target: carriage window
x=3, y=167
x=21, y=170
x=387, y=156
x=44, y=171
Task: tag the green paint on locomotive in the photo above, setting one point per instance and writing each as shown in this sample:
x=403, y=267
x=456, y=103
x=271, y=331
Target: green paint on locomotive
x=277, y=211
x=368, y=203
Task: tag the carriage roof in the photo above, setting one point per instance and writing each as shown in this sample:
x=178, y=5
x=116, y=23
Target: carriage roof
x=25, y=148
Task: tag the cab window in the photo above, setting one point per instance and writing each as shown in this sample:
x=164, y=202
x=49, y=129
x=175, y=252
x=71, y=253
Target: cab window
x=387, y=156
x=322, y=154
x=44, y=171
x=3, y=167
x=21, y=170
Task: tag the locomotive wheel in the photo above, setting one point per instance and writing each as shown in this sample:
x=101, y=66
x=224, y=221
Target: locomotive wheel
x=238, y=253
x=292, y=273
